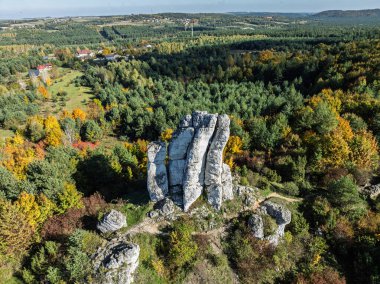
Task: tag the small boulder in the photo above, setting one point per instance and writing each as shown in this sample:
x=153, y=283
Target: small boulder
x=372, y=191
x=165, y=207
x=116, y=262
x=112, y=221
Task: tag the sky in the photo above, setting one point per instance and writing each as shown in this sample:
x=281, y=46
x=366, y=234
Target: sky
x=10, y=9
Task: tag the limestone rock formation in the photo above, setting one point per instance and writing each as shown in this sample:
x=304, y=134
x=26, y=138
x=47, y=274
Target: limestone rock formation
x=116, y=262
x=373, y=191
x=280, y=213
x=255, y=223
x=112, y=221
x=193, y=182
x=195, y=156
x=157, y=182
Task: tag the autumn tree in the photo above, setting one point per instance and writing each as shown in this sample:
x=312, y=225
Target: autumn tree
x=53, y=131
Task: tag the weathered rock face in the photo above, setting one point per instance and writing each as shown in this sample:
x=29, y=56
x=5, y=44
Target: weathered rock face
x=157, y=182
x=280, y=213
x=373, y=191
x=195, y=162
x=255, y=223
x=116, y=262
x=194, y=178
x=214, y=165
x=112, y=221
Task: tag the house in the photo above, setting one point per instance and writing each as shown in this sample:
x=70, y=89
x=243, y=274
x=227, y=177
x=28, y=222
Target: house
x=84, y=54
x=44, y=67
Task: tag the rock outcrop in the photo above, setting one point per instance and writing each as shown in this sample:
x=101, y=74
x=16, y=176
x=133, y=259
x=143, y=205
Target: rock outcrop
x=280, y=213
x=157, y=175
x=195, y=165
x=116, y=262
x=256, y=224
x=112, y=221
x=372, y=191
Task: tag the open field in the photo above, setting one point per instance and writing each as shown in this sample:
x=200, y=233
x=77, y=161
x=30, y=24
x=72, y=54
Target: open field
x=77, y=96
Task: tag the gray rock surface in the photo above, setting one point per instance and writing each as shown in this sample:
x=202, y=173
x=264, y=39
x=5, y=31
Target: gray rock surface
x=165, y=207
x=372, y=191
x=157, y=177
x=180, y=143
x=214, y=165
x=116, y=262
x=256, y=225
x=193, y=183
x=228, y=193
x=112, y=221
x=176, y=172
x=195, y=156
x=247, y=194
x=283, y=217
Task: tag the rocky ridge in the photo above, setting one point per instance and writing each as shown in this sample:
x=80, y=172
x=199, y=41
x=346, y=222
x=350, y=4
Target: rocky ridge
x=195, y=162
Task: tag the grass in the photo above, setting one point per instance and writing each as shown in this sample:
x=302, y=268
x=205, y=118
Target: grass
x=135, y=213
x=146, y=273
x=78, y=96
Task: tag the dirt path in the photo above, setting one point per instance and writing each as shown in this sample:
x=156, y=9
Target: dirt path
x=152, y=226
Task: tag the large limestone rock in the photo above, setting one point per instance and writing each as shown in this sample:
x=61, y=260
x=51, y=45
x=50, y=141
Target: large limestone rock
x=227, y=183
x=196, y=158
x=214, y=165
x=157, y=181
x=112, y=221
x=116, y=262
x=283, y=217
x=180, y=143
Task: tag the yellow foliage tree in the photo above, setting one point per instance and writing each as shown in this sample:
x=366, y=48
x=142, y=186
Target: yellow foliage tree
x=36, y=209
x=17, y=155
x=78, y=113
x=234, y=145
x=167, y=134
x=364, y=151
x=44, y=92
x=53, y=131
x=16, y=234
x=69, y=198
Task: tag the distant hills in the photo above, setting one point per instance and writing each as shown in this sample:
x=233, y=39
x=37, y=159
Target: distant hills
x=348, y=13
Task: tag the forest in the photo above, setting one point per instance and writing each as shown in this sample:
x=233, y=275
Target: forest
x=303, y=96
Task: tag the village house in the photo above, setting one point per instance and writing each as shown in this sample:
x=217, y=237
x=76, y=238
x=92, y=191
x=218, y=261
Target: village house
x=85, y=54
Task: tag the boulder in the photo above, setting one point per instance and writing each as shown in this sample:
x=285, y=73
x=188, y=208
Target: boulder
x=112, y=221
x=372, y=191
x=165, y=207
x=283, y=217
x=256, y=225
x=116, y=262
